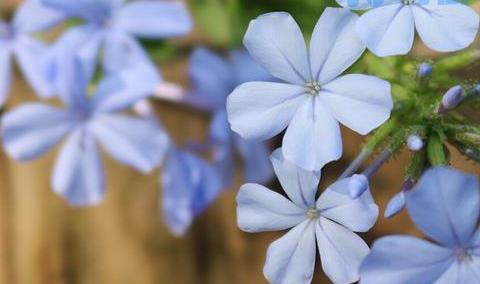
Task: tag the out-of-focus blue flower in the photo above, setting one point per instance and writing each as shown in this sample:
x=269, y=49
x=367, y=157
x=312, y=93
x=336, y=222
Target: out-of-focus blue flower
x=16, y=41
x=445, y=206
x=315, y=99
x=32, y=129
x=189, y=185
x=213, y=78
x=329, y=220
x=111, y=27
x=389, y=28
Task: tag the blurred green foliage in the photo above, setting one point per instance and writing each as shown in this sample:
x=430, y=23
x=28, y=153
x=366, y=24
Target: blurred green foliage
x=225, y=21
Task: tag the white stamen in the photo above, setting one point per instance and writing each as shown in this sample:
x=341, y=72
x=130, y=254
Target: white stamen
x=312, y=213
x=313, y=88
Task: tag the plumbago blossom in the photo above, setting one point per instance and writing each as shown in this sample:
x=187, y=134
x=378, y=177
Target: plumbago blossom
x=445, y=206
x=389, y=27
x=330, y=220
x=32, y=129
x=315, y=99
x=190, y=185
x=213, y=78
x=16, y=41
x=111, y=27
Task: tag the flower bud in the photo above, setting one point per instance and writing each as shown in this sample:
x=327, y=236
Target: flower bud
x=395, y=205
x=357, y=185
x=414, y=143
x=452, y=98
x=424, y=70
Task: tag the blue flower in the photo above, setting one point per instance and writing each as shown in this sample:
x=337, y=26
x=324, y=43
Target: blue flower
x=389, y=28
x=87, y=122
x=189, y=185
x=445, y=206
x=112, y=25
x=213, y=78
x=329, y=220
x=15, y=41
x=314, y=100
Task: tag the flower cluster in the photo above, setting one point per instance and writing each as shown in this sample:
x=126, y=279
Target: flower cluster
x=101, y=72
x=311, y=104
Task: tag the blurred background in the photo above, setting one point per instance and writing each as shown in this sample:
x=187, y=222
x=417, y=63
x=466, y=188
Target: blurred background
x=124, y=240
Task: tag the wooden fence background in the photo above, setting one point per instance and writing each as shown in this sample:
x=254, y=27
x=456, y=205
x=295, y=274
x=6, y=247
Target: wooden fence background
x=123, y=241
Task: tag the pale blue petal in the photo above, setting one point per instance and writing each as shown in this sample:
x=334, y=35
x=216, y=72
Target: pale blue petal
x=358, y=215
x=211, y=77
x=299, y=184
x=96, y=12
x=33, y=16
x=291, y=259
x=88, y=52
x=446, y=27
x=404, y=259
x=69, y=73
x=355, y=4
x=189, y=186
x=154, y=19
x=335, y=45
x=445, y=205
x=387, y=30
x=451, y=274
x=469, y=272
x=78, y=174
x=219, y=128
x=246, y=69
x=222, y=146
x=29, y=52
x=369, y=96
x=341, y=251
x=276, y=42
x=475, y=241
x=121, y=50
x=137, y=142
x=5, y=74
x=124, y=88
x=58, y=58
x=366, y=4
x=261, y=110
x=259, y=209
x=256, y=162
x=313, y=137
x=32, y=129
x=224, y=162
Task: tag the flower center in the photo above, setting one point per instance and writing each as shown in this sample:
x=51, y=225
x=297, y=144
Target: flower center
x=409, y=2
x=313, y=88
x=312, y=213
x=464, y=255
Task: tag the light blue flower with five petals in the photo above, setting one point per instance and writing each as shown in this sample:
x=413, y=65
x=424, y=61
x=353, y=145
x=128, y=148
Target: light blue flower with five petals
x=213, y=78
x=16, y=40
x=32, y=129
x=329, y=220
x=315, y=99
x=445, y=206
x=389, y=28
